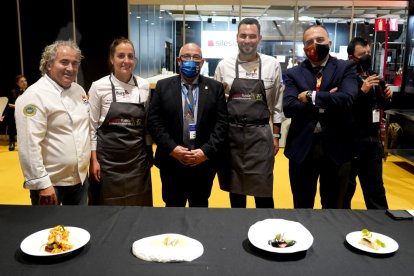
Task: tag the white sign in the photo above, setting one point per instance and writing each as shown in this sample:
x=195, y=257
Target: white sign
x=219, y=44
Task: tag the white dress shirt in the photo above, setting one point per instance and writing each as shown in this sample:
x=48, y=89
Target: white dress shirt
x=100, y=99
x=271, y=76
x=53, y=134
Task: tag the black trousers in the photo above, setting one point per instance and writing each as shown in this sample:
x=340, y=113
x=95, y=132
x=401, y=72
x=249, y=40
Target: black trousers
x=367, y=166
x=333, y=179
x=240, y=201
x=184, y=183
x=67, y=195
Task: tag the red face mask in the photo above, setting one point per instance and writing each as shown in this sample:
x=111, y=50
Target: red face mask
x=317, y=52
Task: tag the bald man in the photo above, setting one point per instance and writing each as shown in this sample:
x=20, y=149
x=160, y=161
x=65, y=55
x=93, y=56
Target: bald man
x=188, y=121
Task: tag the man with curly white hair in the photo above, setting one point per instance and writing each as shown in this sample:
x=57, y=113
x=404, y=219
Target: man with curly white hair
x=52, y=119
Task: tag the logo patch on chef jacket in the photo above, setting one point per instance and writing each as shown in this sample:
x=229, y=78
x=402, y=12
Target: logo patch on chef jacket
x=30, y=110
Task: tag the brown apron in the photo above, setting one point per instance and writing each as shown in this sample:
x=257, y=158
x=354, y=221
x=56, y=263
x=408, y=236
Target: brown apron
x=122, y=155
x=248, y=168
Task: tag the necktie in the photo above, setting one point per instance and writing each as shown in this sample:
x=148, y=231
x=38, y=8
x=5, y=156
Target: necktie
x=188, y=116
x=190, y=95
x=317, y=69
x=318, y=74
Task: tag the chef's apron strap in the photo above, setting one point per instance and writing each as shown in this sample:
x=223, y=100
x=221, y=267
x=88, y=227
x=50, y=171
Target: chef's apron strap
x=113, y=88
x=260, y=68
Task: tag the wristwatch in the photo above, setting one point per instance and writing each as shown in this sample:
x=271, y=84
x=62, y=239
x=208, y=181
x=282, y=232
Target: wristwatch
x=309, y=96
x=277, y=135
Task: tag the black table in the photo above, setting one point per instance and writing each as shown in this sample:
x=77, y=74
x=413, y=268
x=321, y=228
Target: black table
x=223, y=232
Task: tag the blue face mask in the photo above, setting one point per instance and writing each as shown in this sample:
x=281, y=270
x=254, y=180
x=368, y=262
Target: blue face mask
x=190, y=68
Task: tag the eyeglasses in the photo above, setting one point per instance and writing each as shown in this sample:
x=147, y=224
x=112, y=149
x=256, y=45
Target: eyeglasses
x=193, y=57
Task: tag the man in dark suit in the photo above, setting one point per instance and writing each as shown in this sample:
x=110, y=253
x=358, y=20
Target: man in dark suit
x=319, y=95
x=188, y=121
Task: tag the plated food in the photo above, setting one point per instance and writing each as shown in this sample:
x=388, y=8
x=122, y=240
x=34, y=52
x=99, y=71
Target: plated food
x=372, y=242
x=55, y=241
x=169, y=247
x=280, y=236
x=58, y=240
x=280, y=241
x=368, y=240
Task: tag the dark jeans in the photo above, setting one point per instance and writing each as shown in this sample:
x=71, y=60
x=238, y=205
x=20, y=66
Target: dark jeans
x=67, y=195
x=368, y=167
x=239, y=201
x=333, y=179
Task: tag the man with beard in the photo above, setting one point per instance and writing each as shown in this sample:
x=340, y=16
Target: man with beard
x=373, y=97
x=253, y=86
x=319, y=95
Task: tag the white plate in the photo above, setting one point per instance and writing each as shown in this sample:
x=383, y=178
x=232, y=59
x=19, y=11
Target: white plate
x=262, y=231
x=153, y=249
x=391, y=245
x=35, y=243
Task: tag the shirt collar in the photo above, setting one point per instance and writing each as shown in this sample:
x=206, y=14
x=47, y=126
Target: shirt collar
x=130, y=82
x=55, y=84
x=244, y=61
x=323, y=64
x=184, y=82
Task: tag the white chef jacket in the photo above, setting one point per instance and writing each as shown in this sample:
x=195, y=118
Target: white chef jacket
x=100, y=99
x=53, y=134
x=271, y=76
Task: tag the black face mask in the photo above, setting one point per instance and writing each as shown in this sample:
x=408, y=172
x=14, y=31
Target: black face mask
x=365, y=63
x=317, y=52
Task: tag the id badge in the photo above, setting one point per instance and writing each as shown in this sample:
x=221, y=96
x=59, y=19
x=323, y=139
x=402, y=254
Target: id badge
x=375, y=115
x=192, y=129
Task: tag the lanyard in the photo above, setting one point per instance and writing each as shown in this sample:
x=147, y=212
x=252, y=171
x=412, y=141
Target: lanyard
x=185, y=92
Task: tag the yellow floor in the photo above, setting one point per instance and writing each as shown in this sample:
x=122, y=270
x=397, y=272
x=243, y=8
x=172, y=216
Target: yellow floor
x=398, y=178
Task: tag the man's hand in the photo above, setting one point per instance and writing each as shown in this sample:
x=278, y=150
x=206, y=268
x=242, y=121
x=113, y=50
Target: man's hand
x=369, y=82
x=302, y=97
x=183, y=155
x=199, y=157
x=47, y=196
x=387, y=93
x=187, y=156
